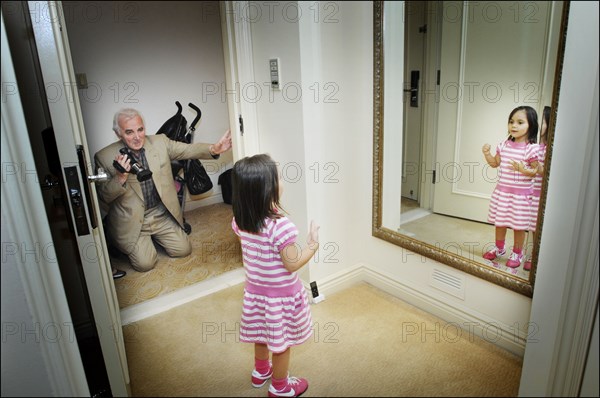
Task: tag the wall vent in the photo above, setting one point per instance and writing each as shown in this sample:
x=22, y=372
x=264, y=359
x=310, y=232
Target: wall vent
x=449, y=283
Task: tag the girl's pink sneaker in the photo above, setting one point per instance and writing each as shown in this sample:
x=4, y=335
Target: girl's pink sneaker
x=514, y=260
x=294, y=388
x=494, y=253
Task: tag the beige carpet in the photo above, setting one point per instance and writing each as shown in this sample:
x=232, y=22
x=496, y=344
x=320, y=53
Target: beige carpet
x=469, y=239
x=366, y=343
x=215, y=250
x=408, y=204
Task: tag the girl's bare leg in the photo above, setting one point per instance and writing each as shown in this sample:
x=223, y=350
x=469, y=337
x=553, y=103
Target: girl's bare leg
x=281, y=385
x=281, y=364
x=500, y=233
x=261, y=351
x=519, y=241
x=262, y=366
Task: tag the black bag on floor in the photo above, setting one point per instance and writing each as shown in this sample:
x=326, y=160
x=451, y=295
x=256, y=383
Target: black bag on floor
x=226, y=187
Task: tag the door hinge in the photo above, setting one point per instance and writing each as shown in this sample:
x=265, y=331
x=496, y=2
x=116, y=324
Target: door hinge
x=423, y=29
x=433, y=177
x=438, y=77
x=241, y=120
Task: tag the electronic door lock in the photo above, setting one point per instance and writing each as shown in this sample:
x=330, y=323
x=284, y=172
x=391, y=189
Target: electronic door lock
x=76, y=198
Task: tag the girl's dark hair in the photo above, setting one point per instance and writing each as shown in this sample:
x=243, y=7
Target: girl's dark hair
x=546, y=118
x=532, y=120
x=255, y=192
x=546, y=115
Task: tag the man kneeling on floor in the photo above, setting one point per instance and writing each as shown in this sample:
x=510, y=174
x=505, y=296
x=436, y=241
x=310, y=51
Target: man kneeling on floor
x=141, y=197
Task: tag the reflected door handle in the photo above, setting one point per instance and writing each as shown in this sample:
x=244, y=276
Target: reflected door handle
x=100, y=177
x=414, y=88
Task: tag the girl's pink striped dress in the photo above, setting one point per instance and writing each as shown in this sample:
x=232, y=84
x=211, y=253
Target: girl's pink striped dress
x=275, y=310
x=511, y=203
x=537, y=188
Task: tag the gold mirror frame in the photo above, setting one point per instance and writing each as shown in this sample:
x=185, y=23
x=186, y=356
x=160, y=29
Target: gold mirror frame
x=472, y=267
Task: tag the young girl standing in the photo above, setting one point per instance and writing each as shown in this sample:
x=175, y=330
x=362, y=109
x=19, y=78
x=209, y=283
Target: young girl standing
x=511, y=202
x=539, y=176
x=275, y=312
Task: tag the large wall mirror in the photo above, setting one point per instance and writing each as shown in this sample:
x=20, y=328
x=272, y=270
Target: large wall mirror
x=446, y=77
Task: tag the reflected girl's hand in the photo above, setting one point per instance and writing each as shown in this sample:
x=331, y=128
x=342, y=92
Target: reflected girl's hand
x=313, y=235
x=516, y=166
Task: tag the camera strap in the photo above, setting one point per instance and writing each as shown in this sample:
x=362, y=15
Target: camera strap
x=151, y=198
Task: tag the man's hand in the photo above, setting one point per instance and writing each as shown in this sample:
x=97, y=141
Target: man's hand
x=122, y=160
x=223, y=145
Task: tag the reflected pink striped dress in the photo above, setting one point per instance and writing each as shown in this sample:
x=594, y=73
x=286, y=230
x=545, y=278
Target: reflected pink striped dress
x=275, y=309
x=537, y=188
x=511, y=205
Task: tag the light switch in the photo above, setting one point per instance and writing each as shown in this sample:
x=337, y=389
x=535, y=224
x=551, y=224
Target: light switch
x=274, y=72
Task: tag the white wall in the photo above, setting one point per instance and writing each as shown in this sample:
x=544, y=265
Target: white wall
x=147, y=55
x=280, y=112
x=566, y=291
x=338, y=50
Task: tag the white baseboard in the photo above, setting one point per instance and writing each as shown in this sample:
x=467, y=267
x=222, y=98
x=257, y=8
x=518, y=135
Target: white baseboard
x=478, y=325
x=155, y=306
x=339, y=281
x=203, y=201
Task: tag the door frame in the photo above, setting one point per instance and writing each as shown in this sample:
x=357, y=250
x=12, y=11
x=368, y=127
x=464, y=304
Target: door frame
x=54, y=54
x=239, y=73
x=43, y=284
x=411, y=178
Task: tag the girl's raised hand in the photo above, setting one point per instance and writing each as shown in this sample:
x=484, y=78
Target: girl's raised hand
x=517, y=166
x=313, y=235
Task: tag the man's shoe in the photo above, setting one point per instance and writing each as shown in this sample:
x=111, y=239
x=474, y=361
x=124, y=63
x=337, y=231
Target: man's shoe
x=119, y=274
x=294, y=388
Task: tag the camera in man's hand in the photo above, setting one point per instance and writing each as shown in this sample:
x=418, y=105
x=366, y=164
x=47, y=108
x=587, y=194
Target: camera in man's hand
x=136, y=168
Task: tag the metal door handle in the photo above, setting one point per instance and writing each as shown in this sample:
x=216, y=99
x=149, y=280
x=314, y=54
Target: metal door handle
x=100, y=177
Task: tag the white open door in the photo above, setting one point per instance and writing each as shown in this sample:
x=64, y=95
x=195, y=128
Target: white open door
x=239, y=75
x=415, y=25
x=487, y=70
x=59, y=79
